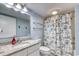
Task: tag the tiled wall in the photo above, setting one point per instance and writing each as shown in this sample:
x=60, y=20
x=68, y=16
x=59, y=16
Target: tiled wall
x=57, y=34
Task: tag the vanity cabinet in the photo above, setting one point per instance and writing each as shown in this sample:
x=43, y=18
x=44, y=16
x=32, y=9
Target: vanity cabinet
x=32, y=50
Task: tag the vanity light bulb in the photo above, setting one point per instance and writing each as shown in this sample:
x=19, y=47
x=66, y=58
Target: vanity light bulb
x=25, y=9
x=18, y=6
x=7, y=5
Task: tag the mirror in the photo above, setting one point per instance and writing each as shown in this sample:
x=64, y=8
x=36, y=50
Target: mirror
x=13, y=23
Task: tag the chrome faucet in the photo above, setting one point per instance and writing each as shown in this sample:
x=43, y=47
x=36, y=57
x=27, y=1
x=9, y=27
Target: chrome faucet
x=19, y=41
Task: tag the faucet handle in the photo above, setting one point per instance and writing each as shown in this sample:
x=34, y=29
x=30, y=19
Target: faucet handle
x=18, y=40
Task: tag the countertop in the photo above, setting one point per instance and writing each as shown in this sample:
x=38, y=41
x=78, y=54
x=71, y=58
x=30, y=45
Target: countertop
x=8, y=49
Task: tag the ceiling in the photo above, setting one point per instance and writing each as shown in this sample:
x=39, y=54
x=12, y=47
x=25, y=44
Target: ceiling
x=44, y=9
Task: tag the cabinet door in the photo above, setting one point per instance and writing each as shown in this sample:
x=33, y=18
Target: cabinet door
x=33, y=48
x=36, y=53
x=20, y=53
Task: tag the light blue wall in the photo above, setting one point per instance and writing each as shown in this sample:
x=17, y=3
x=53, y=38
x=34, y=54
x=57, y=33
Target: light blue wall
x=77, y=29
x=22, y=31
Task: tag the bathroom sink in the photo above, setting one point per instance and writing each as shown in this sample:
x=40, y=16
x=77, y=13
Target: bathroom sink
x=25, y=42
x=19, y=45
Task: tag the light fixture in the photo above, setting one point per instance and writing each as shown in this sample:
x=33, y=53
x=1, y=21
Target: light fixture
x=54, y=12
x=18, y=6
x=25, y=9
x=16, y=9
x=7, y=5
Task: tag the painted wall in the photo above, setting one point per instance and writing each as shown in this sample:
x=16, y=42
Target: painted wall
x=22, y=27
x=77, y=28
x=36, y=23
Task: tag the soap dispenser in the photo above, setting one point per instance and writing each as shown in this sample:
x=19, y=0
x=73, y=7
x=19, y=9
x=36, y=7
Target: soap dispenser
x=13, y=41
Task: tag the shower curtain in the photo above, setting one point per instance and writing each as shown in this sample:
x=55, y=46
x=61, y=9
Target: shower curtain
x=57, y=34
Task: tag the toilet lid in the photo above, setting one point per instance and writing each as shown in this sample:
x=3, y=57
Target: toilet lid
x=43, y=48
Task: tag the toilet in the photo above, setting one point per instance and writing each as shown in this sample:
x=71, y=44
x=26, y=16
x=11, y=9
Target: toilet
x=44, y=51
